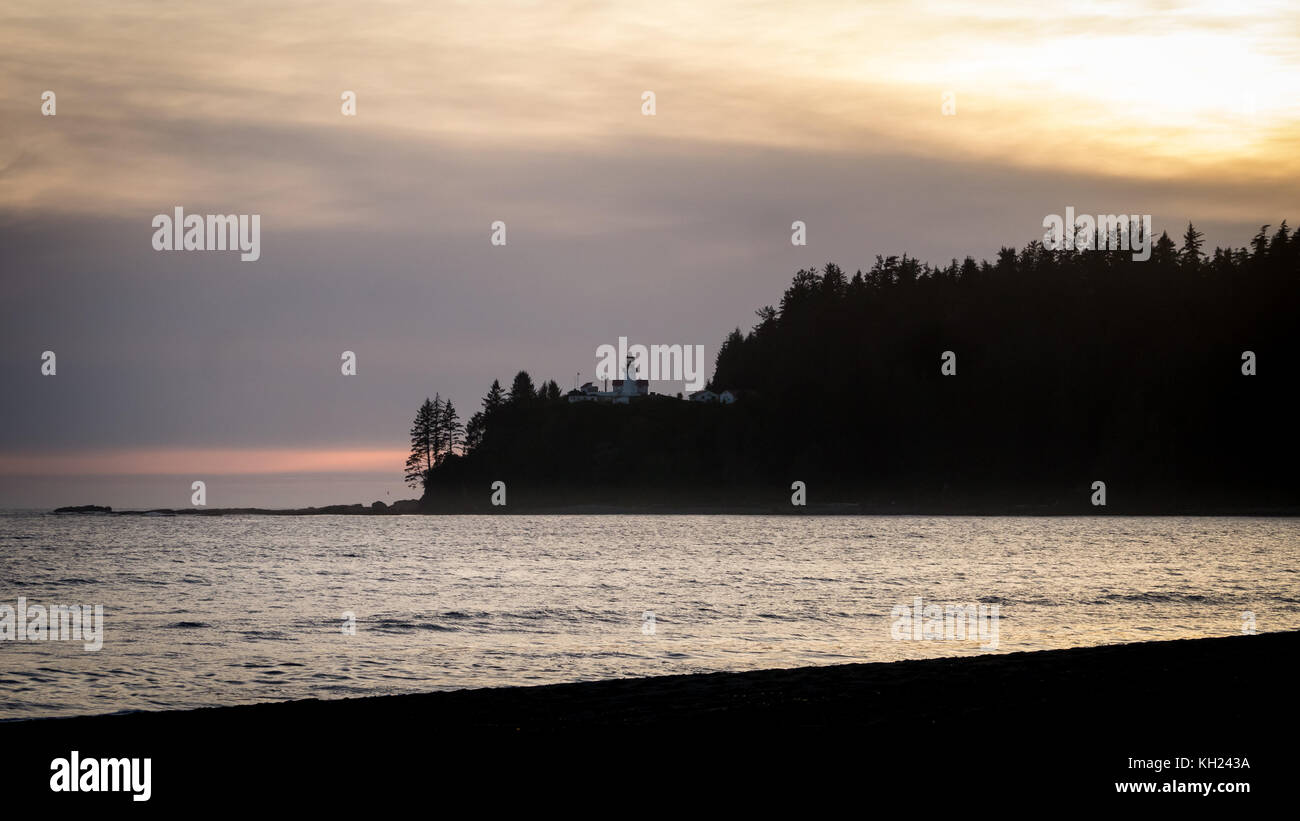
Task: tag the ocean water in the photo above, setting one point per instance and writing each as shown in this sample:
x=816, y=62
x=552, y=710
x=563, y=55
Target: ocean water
x=231, y=610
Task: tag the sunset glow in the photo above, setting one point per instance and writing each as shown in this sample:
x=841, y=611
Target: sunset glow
x=202, y=462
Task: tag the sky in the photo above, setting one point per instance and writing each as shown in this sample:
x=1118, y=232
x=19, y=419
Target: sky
x=666, y=229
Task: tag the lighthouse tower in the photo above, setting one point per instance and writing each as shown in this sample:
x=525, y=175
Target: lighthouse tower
x=628, y=389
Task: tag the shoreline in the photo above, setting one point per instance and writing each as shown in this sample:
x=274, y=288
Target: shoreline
x=412, y=508
x=623, y=702
x=1025, y=726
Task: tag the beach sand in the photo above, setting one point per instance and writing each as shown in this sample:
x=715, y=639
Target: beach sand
x=1060, y=723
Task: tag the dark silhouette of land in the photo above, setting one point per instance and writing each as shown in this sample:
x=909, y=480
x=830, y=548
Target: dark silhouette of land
x=1071, y=367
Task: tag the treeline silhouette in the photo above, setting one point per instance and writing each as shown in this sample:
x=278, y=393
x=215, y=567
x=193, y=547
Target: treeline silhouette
x=1070, y=367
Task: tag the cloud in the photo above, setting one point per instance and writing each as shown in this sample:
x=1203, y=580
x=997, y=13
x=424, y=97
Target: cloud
x=241, y=100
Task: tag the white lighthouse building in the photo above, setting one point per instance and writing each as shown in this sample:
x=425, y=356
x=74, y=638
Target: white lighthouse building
x=625, y=390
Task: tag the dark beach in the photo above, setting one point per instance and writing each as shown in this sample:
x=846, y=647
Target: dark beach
x=1060, y=723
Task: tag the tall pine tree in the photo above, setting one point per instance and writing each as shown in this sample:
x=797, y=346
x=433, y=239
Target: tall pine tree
x=423, y=452
x=449, y=426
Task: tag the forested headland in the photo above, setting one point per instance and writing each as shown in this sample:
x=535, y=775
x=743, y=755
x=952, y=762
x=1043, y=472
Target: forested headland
x=1002, y=386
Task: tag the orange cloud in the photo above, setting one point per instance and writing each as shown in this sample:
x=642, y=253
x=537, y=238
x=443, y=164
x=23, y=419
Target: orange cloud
x=203, y=461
